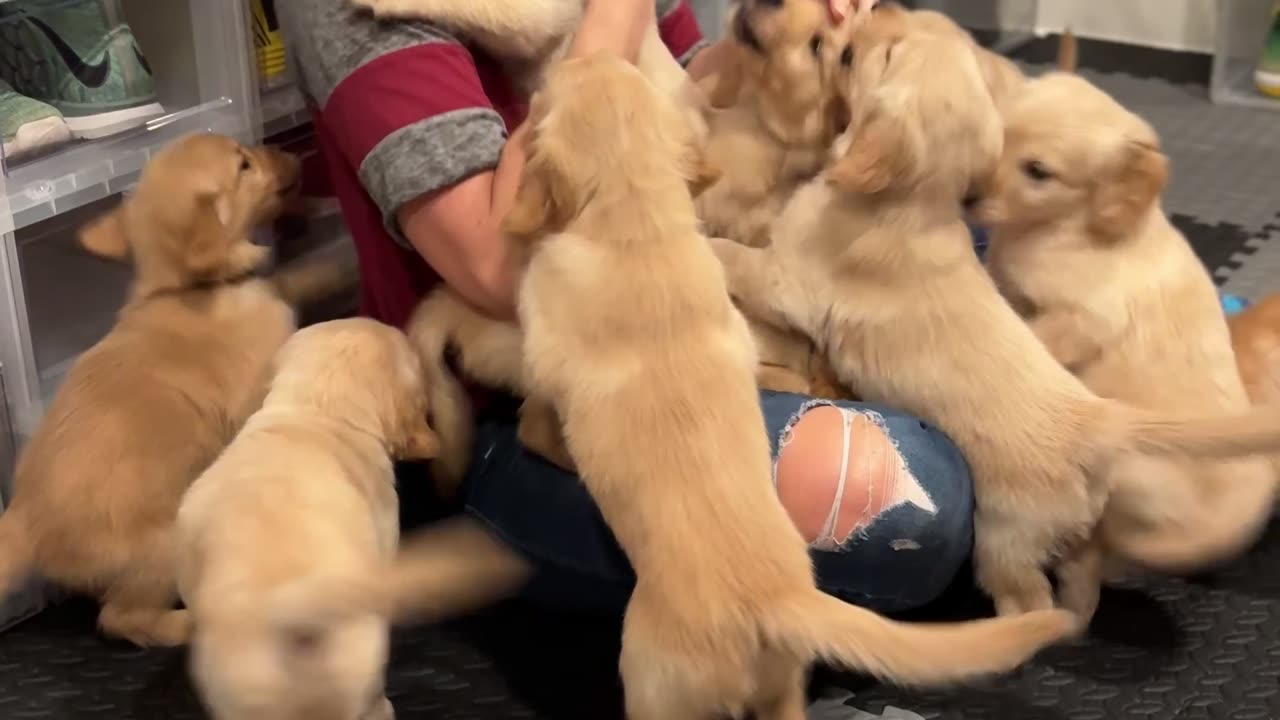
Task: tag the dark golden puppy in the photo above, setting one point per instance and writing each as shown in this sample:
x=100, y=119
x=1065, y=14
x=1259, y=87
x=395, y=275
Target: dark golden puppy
x=142, y=412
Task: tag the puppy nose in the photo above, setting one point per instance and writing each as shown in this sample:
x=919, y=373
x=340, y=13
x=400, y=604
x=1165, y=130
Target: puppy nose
x=971, y=201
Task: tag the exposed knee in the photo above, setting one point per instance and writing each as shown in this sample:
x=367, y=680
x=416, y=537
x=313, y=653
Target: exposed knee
x=838, y=471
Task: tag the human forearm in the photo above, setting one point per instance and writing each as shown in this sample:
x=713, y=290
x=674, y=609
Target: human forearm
x=458, y=232
x=614, y=26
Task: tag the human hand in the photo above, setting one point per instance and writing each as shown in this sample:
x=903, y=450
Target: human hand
x=615, y=26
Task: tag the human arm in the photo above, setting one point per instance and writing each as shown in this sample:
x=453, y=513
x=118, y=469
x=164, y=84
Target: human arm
x=457, y=228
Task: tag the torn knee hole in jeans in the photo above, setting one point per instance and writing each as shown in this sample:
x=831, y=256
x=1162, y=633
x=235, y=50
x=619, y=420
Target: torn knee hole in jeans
x=834, y=503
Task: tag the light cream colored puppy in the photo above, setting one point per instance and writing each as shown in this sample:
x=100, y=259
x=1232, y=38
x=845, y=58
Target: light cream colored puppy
x=1080, y=245
x=287, y=543
x=874, y=262
x=631, y=337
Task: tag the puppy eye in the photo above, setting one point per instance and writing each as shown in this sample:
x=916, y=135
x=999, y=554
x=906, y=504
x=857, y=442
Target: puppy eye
x=815, y=45
x=1036, y=170
x=846, y=56
x=244, y=164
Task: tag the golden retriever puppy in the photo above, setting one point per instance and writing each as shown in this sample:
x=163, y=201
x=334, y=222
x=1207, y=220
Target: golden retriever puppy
x=287, y=543
x=529, y=30
x=1080, y=245
x=774, y=136
x=875, y=263
x=631, y=337
x=1003, y=78
x=779, y=131
x=486, y=351
x=141, y=413
x=531, y=35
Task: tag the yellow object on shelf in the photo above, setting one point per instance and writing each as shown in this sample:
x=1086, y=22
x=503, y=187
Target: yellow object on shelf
x=268, y=44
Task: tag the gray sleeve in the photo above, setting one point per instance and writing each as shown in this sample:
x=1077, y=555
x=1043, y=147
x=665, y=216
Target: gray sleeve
x=429, y=155
x=402, y=99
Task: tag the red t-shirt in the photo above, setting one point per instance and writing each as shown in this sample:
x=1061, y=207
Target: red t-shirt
x=405, y=109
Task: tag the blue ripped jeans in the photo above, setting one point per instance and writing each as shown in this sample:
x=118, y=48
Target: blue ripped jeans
x=902, y=560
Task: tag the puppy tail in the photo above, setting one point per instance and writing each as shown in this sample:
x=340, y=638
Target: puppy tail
x=452, y=568
x=1068, y=51
x=17, y=554
x=823, y=627
x=430, y=329
x=316, y=279
x=1252, y=432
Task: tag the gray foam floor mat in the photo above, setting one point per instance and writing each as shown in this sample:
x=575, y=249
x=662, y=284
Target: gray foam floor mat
x=1206, y=648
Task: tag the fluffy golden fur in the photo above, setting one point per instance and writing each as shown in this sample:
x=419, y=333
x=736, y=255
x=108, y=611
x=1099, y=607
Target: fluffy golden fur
x=631, y=336
x=1255, y=336
x=531, y=35
x=1002, y=77
x=141, y=413
x=1081, y=247
x=874, y=262
x=778, y=132
x=772, y=137
x=287, y=543
x=488, y=352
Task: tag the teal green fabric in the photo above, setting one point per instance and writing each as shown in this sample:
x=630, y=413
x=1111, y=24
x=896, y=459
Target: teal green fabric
x=17, y=110
x=77, y=55
x=1271, y=54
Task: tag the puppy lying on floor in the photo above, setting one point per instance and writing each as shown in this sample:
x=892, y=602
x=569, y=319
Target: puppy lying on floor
x=287, y=543
x=142, y=412
x=631, y=338
x=1082, y=249
x=874, y=262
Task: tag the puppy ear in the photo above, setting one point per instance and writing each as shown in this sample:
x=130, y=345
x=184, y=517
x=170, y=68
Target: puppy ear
x=880, y=156
x=701, y=172
x=1122, y=196
x=105, y=236
x=209, y=239
x=724, y=85
x=545, y=201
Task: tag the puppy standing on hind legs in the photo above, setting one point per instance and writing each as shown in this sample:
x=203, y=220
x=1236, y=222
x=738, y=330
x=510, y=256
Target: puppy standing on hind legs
x=142, y=412
x=874, y=263
x=701, y=637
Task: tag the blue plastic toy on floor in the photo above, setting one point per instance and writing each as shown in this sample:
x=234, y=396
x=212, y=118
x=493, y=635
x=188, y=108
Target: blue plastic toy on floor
x=1233, y=304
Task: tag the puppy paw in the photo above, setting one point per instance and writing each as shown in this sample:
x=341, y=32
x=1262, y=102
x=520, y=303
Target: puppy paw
x=380, y=710
x=147, y=627
x=724, y=248
x=245, y=258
